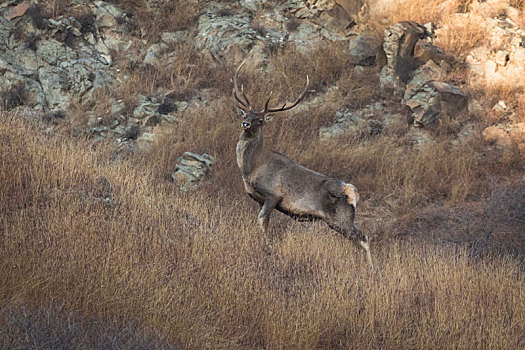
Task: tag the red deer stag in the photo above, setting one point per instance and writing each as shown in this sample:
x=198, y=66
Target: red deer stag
x=277, y=182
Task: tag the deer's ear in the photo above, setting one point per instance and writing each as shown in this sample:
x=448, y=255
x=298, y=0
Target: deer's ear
x=241, y=113
x=268, y=117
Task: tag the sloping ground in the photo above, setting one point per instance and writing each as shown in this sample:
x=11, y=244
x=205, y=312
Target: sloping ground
x=108, y=241
x=99, y=241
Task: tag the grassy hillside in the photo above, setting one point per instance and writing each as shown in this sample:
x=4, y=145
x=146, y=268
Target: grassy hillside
x=102, y=250
x=110, y=241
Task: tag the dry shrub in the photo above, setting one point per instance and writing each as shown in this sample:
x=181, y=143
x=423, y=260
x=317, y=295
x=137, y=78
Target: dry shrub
x=382, y=14
x=169, y=16
x=57, y=8
x=178, y=77
x=520, y=110
x=388, y=170
x=358, y=90
x=327, y=66
x=490, y=94
x=53, y=328
x=17, y=95
x=286, y=76
x=460, y=34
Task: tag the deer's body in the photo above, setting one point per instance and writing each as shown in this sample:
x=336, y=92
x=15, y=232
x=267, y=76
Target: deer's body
x=277, y=182
x=302, y=193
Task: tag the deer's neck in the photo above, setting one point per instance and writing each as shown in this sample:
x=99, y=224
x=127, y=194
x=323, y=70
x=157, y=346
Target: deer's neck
x=249, y=148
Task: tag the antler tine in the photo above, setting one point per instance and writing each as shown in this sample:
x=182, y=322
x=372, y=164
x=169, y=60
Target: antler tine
x=244, y=95
x=267, y=101
x=244, y=103
x=284, y=107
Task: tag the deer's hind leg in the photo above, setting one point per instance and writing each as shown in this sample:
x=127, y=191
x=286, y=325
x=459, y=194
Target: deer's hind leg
x=362, y=240
x=343, y=222
x=264, y=217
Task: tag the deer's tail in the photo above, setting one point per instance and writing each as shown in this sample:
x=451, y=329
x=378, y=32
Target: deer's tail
x=351, y=192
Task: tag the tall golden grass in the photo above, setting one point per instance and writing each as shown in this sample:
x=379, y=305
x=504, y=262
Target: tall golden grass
x=109, y=240
x=97, y=250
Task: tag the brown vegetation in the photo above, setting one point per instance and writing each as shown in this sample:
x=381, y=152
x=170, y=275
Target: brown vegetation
x=114, y=242
x=110, y=250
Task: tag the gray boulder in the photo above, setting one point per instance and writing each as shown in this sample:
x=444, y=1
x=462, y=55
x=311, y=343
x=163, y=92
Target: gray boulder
x=355, y=123
x=422, y=76
x=192, y=168
x=436, y=100
x=106, y=14
x=346, y=122
x=363, y=50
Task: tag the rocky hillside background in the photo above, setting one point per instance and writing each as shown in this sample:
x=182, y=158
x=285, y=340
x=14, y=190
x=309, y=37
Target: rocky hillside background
x=105, y=70
x=123, y=213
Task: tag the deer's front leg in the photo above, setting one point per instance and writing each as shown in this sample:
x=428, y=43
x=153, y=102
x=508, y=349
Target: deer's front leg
x=264, y=217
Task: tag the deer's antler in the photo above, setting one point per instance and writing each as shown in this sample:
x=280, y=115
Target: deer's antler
x=284, y=107
x=243, y=101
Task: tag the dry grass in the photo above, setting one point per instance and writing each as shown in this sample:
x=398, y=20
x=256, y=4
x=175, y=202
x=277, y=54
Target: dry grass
x=101, y=251
x=178, y=77
x=382, y=14
x=461, y=35
x=169, y=16
x=112, y=241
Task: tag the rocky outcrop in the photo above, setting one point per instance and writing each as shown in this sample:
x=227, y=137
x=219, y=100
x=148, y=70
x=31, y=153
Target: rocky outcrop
x=228, y=35
x=425, y=74
x=225, y=35
x=368, y=121
x=504, y=65
x=55, y=61
x=48, y=64
x=415, y=69
x=398, y=45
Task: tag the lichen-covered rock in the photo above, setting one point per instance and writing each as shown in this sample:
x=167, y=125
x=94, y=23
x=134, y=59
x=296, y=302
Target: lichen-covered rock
x=50, y=60
x=154, y=54
x=422, y=76
x=399, y=42
x=225, y=37
x=434, y=101
x=174, y=37
x=346, y=122
x=355, y=123
x=363, y=50
x=191, y=168
x=106, y=14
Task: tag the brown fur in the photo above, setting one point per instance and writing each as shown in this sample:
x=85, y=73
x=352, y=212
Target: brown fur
x=277, y=182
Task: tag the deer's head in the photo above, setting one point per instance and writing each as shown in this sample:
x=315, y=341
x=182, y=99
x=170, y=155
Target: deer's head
x=253, y=120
